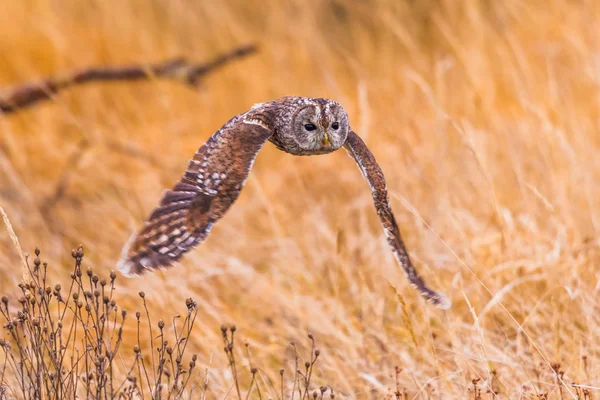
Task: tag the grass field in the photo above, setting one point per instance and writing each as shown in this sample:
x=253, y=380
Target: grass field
x=485, y=117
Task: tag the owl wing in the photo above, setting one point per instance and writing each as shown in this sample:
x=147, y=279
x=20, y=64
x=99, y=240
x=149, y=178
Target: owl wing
x=210, y=185
x=374, y=175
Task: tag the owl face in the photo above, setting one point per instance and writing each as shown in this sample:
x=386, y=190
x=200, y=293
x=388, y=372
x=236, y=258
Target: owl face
x=317, y=126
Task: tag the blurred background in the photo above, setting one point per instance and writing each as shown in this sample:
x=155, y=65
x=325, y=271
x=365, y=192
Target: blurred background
x=485, y=117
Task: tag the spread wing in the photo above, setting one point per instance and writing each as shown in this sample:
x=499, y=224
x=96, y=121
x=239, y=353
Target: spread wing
x=186, y=213
x=371, y=170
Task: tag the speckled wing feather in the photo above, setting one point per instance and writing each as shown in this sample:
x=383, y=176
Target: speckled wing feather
x=374, y=175
x=211, y=183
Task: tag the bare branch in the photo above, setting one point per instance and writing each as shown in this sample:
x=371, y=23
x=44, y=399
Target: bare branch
x=179, y=69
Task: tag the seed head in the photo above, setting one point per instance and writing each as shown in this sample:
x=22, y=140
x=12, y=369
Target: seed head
x=190, y=304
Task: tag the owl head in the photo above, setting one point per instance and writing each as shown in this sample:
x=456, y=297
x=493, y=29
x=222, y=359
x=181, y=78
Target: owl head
x=312, y=126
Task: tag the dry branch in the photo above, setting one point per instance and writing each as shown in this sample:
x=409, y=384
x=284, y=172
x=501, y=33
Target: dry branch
x=178, y=69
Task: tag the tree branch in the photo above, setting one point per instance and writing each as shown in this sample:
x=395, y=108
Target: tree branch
x=179, y=69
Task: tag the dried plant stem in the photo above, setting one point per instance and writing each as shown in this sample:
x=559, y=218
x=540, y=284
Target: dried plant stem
x=296, y=371
x=46, y=359
x=229, y=345
x=15, y=240
x=150, y=330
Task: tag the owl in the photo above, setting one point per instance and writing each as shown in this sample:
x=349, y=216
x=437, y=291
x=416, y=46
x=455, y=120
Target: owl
x=216, y=174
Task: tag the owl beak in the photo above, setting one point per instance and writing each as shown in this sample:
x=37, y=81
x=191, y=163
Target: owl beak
x=325, y=140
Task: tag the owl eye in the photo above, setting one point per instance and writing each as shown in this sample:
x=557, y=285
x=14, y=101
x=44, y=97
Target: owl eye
x=335, y=125
x=310, y=127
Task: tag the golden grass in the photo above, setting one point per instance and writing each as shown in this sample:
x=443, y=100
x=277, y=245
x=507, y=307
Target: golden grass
x=485, y=117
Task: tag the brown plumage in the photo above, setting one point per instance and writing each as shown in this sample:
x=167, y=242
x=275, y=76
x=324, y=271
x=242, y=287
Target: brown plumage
x=219, y=169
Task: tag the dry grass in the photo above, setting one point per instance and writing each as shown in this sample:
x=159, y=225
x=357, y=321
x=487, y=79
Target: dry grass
x=485, y=117
x=67, y=344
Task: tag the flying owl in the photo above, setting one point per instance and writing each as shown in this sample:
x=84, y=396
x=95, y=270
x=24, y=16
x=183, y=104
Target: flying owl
x=216, y=174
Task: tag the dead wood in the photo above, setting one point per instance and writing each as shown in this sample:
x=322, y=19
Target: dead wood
x=178, y=69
